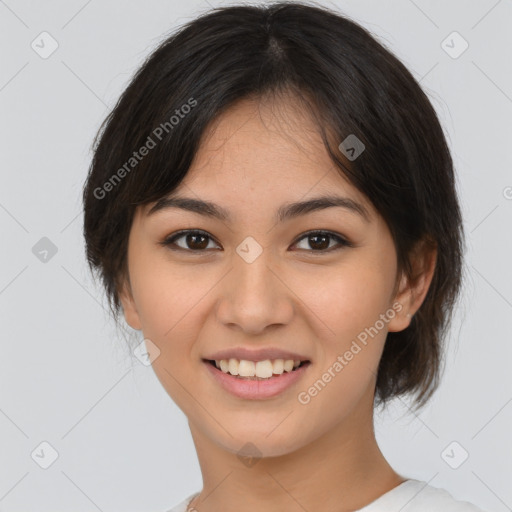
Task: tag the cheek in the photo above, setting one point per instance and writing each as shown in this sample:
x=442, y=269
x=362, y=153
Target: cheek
x=350, y=351
x=167, y=296
x=351, y=304
x=171, y=301
x=353, y=299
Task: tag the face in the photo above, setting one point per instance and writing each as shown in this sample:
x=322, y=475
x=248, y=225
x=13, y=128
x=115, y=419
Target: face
x=254, y=281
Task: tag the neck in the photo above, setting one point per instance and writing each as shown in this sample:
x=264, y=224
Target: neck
x=343, y=470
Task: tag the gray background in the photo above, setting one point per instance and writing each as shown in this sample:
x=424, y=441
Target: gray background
x=65, y=376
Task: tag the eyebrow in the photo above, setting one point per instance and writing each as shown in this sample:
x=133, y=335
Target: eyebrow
x=285, y=212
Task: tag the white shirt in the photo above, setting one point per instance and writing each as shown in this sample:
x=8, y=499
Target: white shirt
x=410, y=496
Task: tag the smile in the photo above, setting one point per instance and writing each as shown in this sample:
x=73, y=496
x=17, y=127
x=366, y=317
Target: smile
x=256, y=379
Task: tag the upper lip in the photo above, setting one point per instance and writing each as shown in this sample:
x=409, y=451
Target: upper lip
x=260, y=354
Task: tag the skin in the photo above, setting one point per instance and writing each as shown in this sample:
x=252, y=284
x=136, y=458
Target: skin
x=316, y=304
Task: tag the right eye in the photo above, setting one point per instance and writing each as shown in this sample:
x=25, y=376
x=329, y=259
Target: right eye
x=194, y=240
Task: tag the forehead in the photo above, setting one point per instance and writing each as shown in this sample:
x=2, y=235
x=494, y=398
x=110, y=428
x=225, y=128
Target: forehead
x=259, y=145
x=259, y=155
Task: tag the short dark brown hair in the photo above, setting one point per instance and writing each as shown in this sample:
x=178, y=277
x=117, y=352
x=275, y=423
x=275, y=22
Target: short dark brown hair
x=353, y=84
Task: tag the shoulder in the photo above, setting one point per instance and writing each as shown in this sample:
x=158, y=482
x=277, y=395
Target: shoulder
x=182, y=506
x=418, y=496
x=411, y=496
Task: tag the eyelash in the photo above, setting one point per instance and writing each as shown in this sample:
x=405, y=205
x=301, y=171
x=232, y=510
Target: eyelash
x=169, y=242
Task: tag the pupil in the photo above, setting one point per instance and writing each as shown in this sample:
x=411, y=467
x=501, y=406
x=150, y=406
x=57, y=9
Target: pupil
x=316, y=237
x=199, y=246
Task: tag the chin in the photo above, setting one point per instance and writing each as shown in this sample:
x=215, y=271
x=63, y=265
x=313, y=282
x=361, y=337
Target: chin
x=251, y=443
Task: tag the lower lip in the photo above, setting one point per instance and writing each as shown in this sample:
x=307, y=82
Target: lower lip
x=256, y=389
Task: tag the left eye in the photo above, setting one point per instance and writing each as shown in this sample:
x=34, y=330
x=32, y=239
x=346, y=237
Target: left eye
x=317, y=240
x=197, y=241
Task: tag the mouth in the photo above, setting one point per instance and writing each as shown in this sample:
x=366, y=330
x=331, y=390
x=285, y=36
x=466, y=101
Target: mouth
x=259, y=380
x=265, y=370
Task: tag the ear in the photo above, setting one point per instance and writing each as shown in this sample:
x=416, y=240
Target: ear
x=412, y=290
x=131, y=314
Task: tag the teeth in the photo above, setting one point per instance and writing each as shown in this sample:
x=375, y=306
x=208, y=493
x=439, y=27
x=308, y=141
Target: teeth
x=261, y=369
x=233, y=367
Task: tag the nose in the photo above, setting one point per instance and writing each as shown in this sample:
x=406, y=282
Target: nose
x=253, y=296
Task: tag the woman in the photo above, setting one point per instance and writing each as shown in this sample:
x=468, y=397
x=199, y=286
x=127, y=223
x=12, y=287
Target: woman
x=272, y=203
